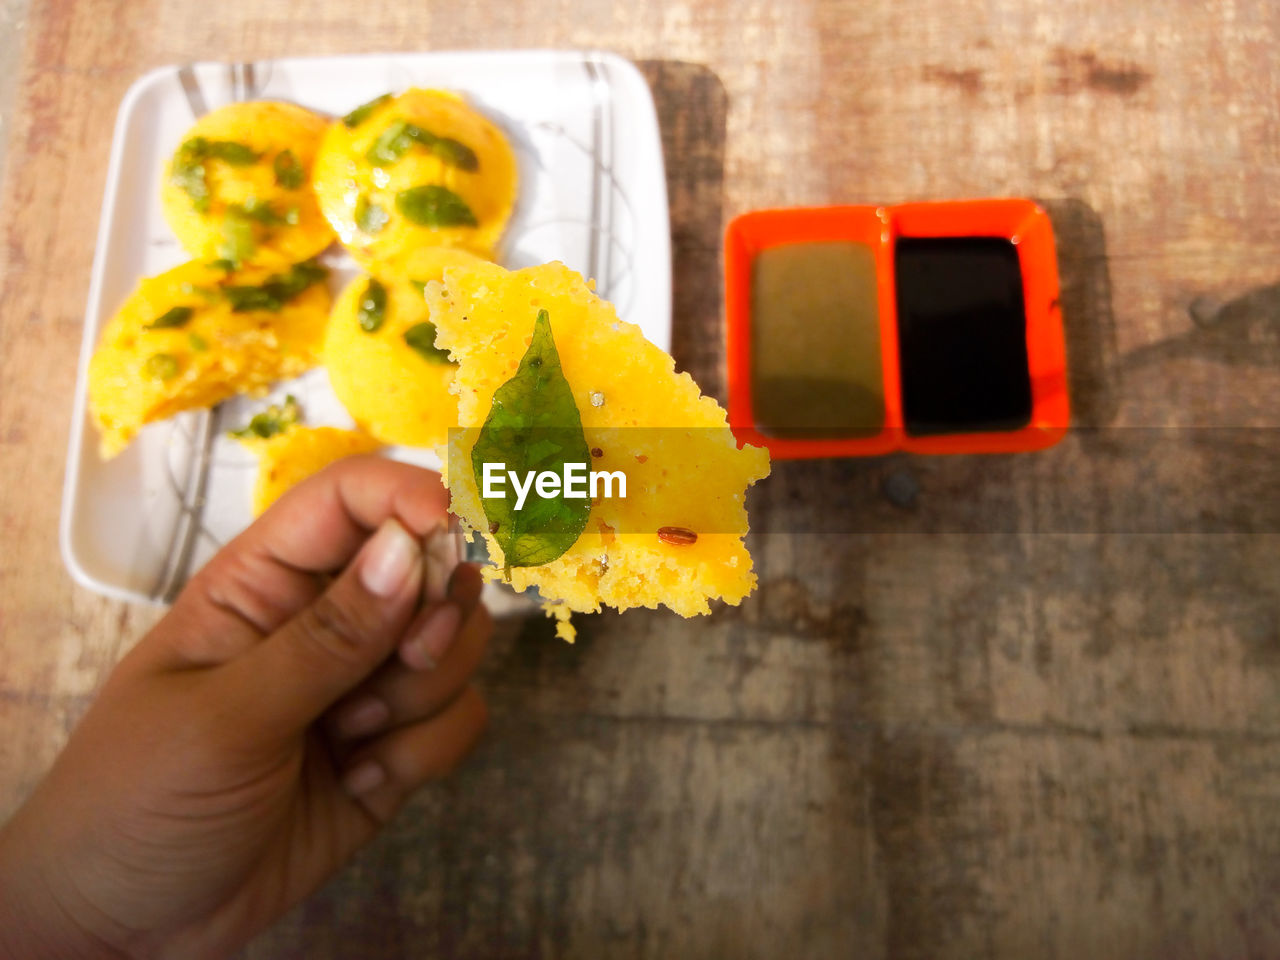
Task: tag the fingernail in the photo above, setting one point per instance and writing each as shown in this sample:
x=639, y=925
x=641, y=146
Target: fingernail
x=389, y=559
x=432, y=640
x=362, y=717
x=363, y=777
x=440, y=558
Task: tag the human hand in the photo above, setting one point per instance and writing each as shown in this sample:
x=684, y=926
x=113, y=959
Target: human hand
x=262, y=732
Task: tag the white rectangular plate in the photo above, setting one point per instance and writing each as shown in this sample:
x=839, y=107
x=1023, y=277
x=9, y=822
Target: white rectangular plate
x=592, y=194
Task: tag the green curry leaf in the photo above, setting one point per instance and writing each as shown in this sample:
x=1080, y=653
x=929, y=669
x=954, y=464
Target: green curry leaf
x=238, y=243
x=161, y=366
x=190, y=178
x=260, y=211
x=454, y=152
x=277, y=418
x=421, y=337
x=228, y=151
x=370, y=217
x=361, y=113
x=392, y=144
x=170, y=319
x=288, y=171
x=534, y=425
x=278, y=289
x=189, y=173
x=372, y=311
x=432, y=205
x=395, y=141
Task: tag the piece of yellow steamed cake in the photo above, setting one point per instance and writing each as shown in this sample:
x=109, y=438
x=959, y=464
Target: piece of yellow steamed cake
x=677, y=537
x=379, y=354
x=196, y=335
x=296, y=452
x=238, y=185
x=421, y=169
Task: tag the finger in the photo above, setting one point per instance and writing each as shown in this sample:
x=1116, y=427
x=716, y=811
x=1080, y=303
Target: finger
x=383, y=775
x=466, y=585
x=384, y=700
x=281, y=685
x=319, y=524
x=397, y=695
x=440, y=550
x=427, y=640
x=268, y=573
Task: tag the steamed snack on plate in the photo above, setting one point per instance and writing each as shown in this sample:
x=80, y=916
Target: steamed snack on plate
x=238, y=186
x=379, y=352
x=196, y=335
x=420, y=169
x=289, y=453
x=527, y=342
x=292, y=456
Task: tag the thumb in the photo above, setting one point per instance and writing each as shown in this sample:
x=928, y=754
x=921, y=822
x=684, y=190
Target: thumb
x=285, y=682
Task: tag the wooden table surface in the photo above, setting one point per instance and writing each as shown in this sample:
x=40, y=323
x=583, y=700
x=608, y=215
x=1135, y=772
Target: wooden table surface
x=1022, y=706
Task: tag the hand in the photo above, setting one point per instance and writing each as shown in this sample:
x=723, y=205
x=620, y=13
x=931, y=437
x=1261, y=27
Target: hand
x=262, y=732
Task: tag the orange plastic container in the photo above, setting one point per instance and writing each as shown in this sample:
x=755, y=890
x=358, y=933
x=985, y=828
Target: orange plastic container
x=1020, y=221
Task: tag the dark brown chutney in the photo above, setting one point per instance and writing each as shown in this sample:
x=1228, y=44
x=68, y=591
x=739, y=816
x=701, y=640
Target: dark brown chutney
x=962, y=335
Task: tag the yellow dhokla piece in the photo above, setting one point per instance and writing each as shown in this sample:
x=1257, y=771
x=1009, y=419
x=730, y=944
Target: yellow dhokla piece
x=392, y=390
x=422, y=169
x=238, y=185
x=289, y=457
x=199, y=350
x=684, y=468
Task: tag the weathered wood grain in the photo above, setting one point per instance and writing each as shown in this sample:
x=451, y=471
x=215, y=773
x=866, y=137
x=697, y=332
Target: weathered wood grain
x=1005, y=707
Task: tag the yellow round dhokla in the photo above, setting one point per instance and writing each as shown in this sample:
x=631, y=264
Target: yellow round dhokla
x=420, y=169
x=685, y=471
x=289, y=457
x=238, y=186
x=177, y=343
x=392, y=390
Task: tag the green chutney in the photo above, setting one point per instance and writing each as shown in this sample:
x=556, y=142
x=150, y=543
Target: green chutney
x=815, y=341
